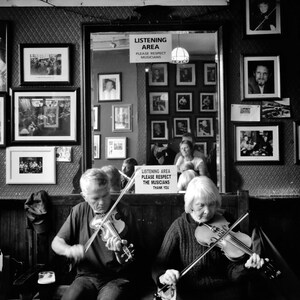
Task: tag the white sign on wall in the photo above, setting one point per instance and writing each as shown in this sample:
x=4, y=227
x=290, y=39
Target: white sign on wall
x=150, y=48
x=156, y=179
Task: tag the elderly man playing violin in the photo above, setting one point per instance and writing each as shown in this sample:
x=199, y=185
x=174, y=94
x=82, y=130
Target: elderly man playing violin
x=104, y=260
x=214, y=276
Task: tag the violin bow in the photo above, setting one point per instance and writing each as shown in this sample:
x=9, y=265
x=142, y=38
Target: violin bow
x=124, y=175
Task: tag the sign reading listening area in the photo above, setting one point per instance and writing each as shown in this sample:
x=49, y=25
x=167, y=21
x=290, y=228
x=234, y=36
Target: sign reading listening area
x=156, y=179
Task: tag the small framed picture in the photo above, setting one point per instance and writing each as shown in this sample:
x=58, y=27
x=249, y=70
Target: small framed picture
x=184, y=102
x=96, y=117
x=205, y=127
x=210, y=74
x=116, y=147
x=257, y=143
x=207, y=102
x=30, y=165
x=45, y=64
x=2, y=120
x=297, y=141
x=96, y=146
x=186, y=74
x=159, y=130
x=261, y=77
x=3, y=56
x=122, y=118
x=64, y=154
x=181, y=126
x=263, y=17
x=159, y=103
x=109, y=87
x=277, y=109
x=201, y=147
x=158, y=75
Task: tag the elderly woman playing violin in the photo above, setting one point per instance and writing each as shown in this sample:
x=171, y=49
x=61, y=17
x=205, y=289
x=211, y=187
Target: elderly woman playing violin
x=214, y=276
x=101, y=273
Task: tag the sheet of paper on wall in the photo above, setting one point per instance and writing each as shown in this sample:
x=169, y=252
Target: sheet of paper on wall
x=245, y=113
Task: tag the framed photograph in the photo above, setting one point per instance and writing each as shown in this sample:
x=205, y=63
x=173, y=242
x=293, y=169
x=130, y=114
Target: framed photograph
x=181, y=126
x=97, y=146
x=30, y=165
x=278, y=109
x=210, y=74
x=45, y=64
x=184, y=102
x=45, y=116
x=116, y=147
x=158, y=75
x=122, y=118
x=263, y=17
x=159, y=130
x=186, y=74
x=245, y=113
x=205, y=127
x=2, y=120
x=159, y=103
x=257, y=143
x=208, y=102
x=297, y=141
x=96, y=118
x=64, y=154
x=261, y=77
x=201, y=147
x=3, y=56
x=109, y=87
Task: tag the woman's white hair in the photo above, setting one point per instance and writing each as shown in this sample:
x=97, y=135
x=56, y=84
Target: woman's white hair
x=201, y=187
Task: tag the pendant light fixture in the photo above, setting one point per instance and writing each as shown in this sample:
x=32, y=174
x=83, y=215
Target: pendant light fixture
x=179, y=55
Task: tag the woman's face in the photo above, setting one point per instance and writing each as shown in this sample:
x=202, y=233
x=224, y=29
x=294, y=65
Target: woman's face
x=185, y=150
x=263, y=7
x=202, y=211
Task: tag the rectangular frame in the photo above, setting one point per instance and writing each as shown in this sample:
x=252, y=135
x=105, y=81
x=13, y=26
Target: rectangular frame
x=184, y=102
x=96, y=118
x=159, y=103
x=96, y=146
x=264, y=20
x=115, y=92
x=159, y=130
x=45, y=116
x=210, y=73
x=277, y=109
x=253, y=66
x=3, y=56
x=64, y=153
x=186, y=74
x=2, y=120
x=208, y=102
x=259, y=150
x=158, y=75
x=45, y=64
x=296, y=125
x=116, y=147
x=205, y=127
x=122, y=118
x=30, y=165
x=201, y=147
x=181, y=126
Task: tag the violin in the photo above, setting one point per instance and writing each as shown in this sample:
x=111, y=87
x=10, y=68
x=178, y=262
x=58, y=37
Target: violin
x=112, y=227
x=234, y=245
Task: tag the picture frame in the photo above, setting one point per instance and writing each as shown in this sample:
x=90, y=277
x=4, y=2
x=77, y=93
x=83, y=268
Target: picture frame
x=262, y=18
x=159, y=103
x=186, y=74
x=261, y=77
x=30, y=165
x=44, y=116
x=159, y=130
x=3, y=56
x=204, y=127
x=96, y=117
x=181, y=126
x=184, y=102
x=122, y=118
x=109, y=87
x=158, y=75
x=42, y=64
x=116, y=147
x=257, y=143
x=210, y=73
x=96, y=146
x=208, y=102
x=2, y=120
x=277, y=109
x=201, y=147
x=64, y=154
x=296, y=125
